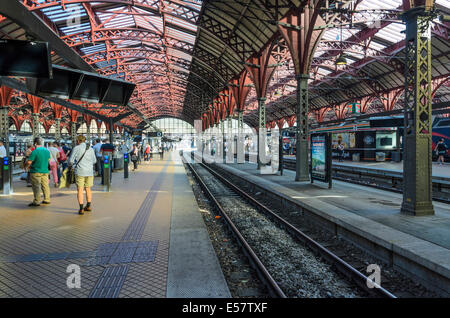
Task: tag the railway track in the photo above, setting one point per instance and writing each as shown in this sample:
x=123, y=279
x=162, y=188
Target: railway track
x=227, y=197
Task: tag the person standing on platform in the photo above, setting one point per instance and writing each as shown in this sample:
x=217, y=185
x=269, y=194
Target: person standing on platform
x=161, y=152
x=54, y=157
x=107, y=149
x=62, y=158
x=441, y=150
x=28, y=152
x=134, y=156
x=66, y=149
x=340, y=149
x=83, y=159
x=147, y=153
x=38, y=162
x=3, y=153
x=97, y=148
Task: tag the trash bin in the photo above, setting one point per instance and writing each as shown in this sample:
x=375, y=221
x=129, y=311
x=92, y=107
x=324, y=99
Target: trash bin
x=356, y=157
x=396, y=156
x=380, y=156
x=118, y=163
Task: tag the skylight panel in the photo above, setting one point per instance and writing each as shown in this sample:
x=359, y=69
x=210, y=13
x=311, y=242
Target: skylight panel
x=93, y=49
x=392, y=32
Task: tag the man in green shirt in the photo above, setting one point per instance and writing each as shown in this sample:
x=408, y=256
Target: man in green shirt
x=38, y=163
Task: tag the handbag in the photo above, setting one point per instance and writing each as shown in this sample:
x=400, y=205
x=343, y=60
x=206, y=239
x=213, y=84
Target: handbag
x=71, y=169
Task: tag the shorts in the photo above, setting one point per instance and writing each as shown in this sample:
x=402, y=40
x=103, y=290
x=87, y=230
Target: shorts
x=84, y=182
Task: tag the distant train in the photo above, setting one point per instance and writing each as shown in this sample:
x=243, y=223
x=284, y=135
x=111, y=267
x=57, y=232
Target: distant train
x=376, y=136
x=441, y=129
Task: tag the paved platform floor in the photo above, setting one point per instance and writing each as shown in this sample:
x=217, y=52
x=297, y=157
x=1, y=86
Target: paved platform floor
x=437, y=169
x=128, y=246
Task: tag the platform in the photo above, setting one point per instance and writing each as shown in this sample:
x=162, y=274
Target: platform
x=145, y=238
x=437, y=169
x=366, y=214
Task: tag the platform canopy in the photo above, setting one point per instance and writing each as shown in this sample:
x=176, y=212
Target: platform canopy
x=183, y=55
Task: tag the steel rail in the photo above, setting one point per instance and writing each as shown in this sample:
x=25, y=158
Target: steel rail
x=360, y=279
x=263, y=273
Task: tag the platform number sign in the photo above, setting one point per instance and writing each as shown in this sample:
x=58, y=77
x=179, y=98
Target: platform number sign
x=320, y=165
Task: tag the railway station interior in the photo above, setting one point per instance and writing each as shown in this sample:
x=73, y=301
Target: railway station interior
x=240, y=150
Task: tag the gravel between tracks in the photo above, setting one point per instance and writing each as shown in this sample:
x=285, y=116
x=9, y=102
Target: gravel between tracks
x=295, y=268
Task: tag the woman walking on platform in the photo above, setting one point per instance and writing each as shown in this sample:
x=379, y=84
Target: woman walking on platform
x=83, y=159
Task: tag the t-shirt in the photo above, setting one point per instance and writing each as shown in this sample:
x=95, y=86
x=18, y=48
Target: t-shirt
x=97, y=147
x=2, y=151
x=53, y=153
x=107, y=148
x=442, y=147
x=40, y=157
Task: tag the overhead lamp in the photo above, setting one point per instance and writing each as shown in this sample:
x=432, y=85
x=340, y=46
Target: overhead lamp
x=341, y=60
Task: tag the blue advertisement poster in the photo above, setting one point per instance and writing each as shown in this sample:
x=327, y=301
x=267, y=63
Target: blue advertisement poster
x=318, y=157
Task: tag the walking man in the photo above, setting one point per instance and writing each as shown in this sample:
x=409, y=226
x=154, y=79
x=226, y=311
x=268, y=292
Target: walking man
x=38, y=162
x=83, y=157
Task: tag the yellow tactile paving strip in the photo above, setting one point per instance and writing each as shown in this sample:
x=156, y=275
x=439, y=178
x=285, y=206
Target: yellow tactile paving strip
x=58, y=228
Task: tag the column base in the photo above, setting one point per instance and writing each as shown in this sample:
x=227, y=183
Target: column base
x=301, y=179
x=417, y=208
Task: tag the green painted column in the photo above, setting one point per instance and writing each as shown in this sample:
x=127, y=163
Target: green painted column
x=417, y=147
x=302, y=164
x=261, y=126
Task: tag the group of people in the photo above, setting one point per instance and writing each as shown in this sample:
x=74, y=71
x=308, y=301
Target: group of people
x=41, y=161
x=86, y=160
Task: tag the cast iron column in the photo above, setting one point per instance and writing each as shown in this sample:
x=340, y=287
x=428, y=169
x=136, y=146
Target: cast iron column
x=261, y=126
x=111, y=133
x=302, y=164
x=240, y=149
x=4, y=127
x=88, y=133
x=222, y=127
x=35, y=124
x=417, y=164
x=73, y=133
x=230, y=140
x=58, y=129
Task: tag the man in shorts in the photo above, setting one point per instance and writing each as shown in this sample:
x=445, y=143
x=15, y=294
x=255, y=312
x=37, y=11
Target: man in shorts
x=38, y=162
x=83, y=159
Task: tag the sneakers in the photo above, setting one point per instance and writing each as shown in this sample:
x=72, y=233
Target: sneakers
x=45, y=202
x=81, y=212
x=34, y=204
x=87, y=208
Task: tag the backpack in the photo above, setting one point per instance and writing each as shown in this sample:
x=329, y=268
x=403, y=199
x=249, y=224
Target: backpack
x=62, y=156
